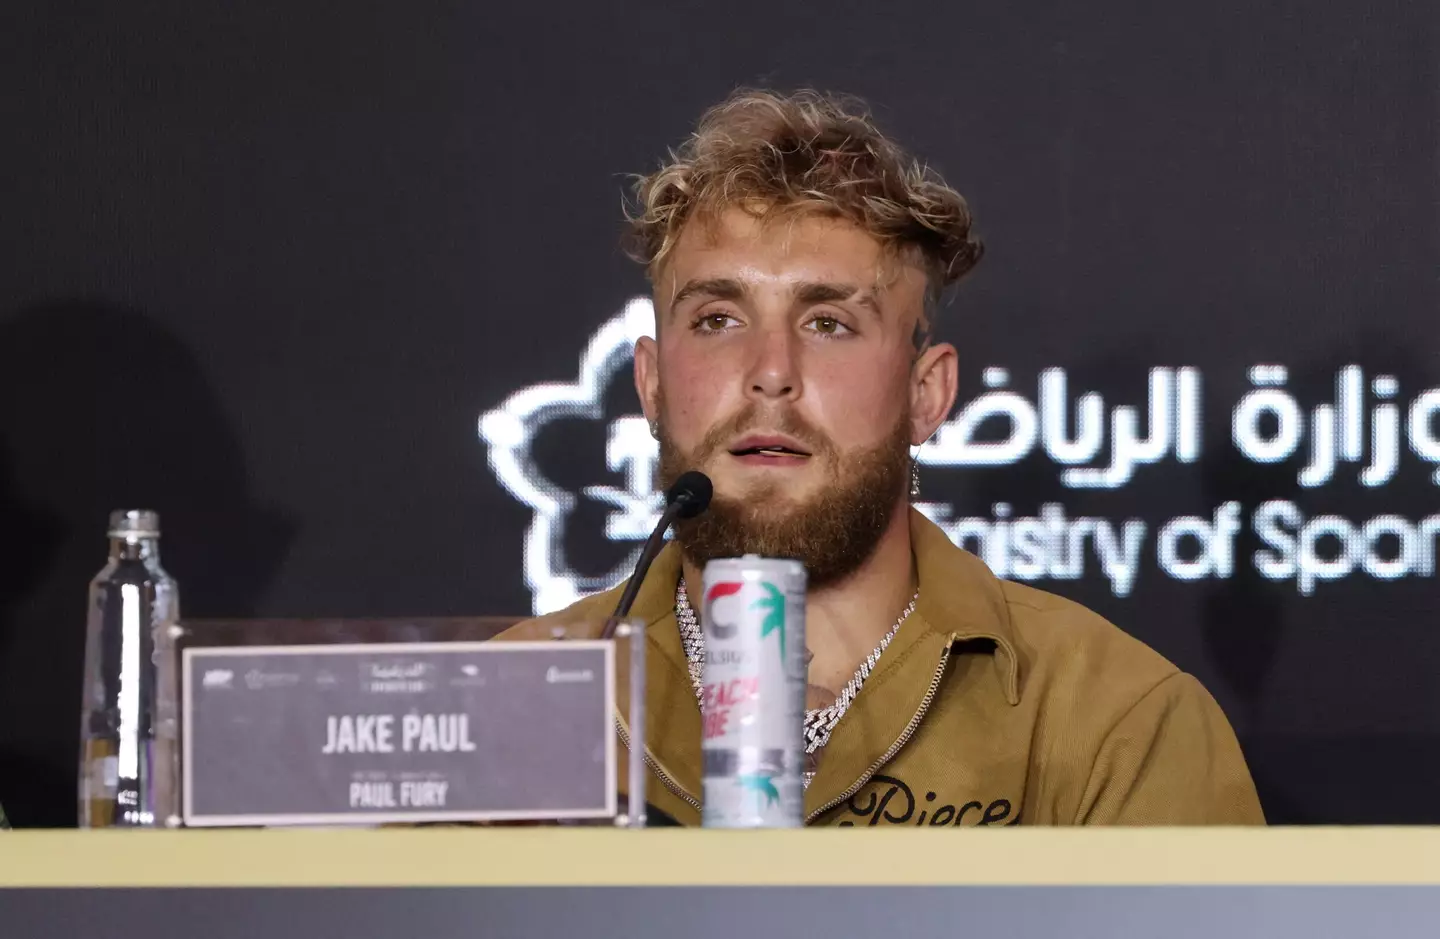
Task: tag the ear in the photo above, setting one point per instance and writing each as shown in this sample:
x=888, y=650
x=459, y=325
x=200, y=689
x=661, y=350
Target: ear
x=647, y=377
x=933, y=384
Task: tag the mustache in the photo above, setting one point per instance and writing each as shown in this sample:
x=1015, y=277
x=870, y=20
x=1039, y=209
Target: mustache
x=753, y=418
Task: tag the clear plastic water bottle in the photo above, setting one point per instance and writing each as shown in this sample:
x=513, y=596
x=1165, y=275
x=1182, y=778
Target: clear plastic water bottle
x=129, y=751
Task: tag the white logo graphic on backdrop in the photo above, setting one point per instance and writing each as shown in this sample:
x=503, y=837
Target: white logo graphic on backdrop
x=510, y=429
x=1091, y=452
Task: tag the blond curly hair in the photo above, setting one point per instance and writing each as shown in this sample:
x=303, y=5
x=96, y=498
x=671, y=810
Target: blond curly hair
x=804, y=153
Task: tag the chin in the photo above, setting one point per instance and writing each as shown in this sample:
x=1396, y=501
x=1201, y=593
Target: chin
x=772, y=494
x=740, y=479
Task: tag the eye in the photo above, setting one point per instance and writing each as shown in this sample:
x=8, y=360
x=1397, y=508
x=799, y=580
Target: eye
x=713, y=322
x=828, y=326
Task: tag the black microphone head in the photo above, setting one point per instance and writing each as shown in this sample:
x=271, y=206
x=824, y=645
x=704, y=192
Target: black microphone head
x=692, y=492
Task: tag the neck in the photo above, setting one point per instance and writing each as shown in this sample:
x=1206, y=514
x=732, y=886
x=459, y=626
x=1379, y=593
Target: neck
x=845, y=621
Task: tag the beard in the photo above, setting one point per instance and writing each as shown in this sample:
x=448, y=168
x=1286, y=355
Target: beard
x=832, y=533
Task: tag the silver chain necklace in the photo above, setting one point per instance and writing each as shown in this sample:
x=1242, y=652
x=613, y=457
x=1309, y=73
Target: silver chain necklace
x=820, y=722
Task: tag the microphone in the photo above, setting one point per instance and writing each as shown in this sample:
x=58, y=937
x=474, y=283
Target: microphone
x=686, y=499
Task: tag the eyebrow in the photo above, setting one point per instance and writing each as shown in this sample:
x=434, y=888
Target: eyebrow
x=716, y=288
x=832, y=292
x=724, y=288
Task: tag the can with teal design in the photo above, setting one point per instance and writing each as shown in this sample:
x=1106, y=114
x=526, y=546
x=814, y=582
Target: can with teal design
x=753, y=699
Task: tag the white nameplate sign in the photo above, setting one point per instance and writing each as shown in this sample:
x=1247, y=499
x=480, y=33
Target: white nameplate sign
x=412, y=732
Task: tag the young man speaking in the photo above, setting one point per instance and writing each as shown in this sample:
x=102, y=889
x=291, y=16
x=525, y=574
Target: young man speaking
x=797, y=258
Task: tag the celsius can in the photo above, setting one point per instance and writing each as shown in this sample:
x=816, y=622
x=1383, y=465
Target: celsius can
x=753, y=701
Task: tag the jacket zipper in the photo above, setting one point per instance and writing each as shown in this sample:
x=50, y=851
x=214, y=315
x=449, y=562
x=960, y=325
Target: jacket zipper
x=656, y=768
x=904, y=738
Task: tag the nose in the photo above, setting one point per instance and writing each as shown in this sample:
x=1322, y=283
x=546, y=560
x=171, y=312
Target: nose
x=774, y=370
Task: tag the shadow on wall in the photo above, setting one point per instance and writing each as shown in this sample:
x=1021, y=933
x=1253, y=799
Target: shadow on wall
x=102, y=408
x=1377, y=663
x=1245, y=619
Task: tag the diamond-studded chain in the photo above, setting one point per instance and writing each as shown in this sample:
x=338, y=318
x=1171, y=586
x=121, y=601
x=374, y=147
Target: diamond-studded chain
x=820, y=722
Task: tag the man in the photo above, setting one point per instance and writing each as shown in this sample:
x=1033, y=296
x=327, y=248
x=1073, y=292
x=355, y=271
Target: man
x=797, y=258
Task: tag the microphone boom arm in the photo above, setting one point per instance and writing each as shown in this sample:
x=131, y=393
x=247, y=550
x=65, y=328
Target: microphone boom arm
x=687, y=498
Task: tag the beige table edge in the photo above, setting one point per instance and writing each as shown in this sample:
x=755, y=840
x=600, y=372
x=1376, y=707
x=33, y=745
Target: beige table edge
x=672, y=857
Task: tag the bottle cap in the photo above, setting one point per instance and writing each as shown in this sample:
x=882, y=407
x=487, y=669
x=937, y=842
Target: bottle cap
x=134, y=523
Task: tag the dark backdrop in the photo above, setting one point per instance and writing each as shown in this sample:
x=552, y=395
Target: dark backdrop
x=279, y=271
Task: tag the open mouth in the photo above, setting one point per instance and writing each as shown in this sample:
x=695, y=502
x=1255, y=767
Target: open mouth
x=768, y=449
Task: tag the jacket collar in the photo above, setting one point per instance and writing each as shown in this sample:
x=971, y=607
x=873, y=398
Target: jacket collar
x=654, y=605
x=960, y=597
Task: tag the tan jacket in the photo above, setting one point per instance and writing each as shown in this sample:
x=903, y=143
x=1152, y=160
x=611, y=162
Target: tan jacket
x=996, y=704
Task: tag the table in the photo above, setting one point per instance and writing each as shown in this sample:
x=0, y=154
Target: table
x=555, y=882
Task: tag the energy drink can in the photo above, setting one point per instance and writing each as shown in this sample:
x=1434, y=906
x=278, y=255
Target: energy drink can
x=753, y=701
